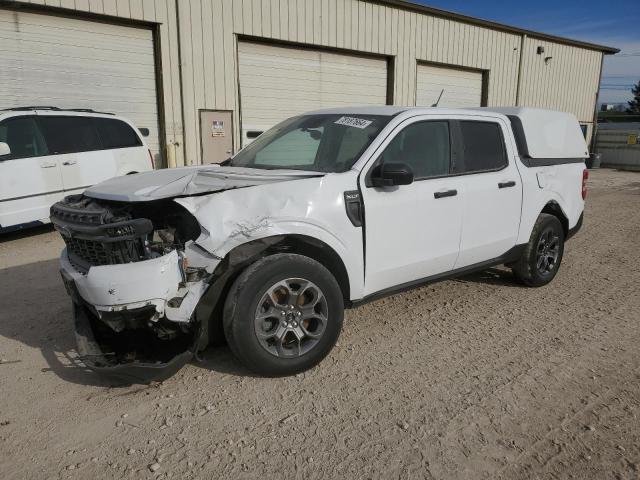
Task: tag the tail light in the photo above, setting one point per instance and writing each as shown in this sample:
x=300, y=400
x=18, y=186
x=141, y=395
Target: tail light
x=585, y=177
x=153, y=166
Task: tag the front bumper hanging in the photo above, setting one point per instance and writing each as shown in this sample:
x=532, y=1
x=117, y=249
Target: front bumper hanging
x=92, y=355
x=135, y=341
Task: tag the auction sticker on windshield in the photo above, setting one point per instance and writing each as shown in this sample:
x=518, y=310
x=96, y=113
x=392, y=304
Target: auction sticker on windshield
x=354, y=122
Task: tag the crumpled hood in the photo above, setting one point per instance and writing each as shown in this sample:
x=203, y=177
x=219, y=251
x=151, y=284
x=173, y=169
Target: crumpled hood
x=175, y=182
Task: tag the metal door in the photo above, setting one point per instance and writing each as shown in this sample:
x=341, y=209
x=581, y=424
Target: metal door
x=280, y=82
x=216, y=135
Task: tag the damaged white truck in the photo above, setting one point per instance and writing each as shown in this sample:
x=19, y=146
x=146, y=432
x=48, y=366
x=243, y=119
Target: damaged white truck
x=324, y=211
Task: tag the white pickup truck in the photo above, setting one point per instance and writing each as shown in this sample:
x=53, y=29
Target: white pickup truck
x=324, y=211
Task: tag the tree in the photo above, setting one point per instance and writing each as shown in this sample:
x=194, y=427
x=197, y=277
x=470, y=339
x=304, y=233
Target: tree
x=634, y=105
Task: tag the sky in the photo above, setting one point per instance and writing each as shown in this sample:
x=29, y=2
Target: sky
x=614, y=23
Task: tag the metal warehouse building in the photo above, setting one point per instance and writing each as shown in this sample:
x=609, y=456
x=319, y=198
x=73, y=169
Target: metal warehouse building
x=207, y=76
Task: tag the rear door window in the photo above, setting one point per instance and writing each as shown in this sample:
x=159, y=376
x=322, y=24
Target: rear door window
x=23, y=137
x=69, y=134
x=483, y=146
x=115, y=133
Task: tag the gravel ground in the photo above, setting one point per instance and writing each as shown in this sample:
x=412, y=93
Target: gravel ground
x=472, y=378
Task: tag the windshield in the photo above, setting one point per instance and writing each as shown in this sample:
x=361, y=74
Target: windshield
x=319, y=143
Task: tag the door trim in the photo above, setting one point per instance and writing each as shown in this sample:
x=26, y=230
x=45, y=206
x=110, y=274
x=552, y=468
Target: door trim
x=84, y=187
x=511, y=255
x=32, y=195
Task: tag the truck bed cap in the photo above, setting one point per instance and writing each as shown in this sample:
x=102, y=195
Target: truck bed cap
x=544, y=134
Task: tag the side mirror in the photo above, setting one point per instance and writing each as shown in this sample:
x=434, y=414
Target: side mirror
x=144, y=132
x=4, y=149
x=391, y=174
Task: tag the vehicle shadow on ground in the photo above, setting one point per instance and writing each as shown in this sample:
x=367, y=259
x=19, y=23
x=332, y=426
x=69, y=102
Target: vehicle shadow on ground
x=36, y=311
x=492, y=276
x=218, y=358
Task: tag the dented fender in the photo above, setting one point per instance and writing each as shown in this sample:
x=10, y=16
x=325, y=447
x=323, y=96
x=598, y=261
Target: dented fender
x=310, y=207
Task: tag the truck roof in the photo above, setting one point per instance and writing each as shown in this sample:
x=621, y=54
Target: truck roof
x=539, y=133
x=390, y=110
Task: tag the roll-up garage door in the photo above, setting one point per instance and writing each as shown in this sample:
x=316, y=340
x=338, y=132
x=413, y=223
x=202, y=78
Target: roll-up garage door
x=279, y=82
x=459, y=88
x=73, y=63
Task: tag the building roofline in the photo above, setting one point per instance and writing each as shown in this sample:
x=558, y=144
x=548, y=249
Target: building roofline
x=437, y=12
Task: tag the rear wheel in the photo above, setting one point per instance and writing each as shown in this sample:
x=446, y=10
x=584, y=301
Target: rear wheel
x=542, y=256
x=283, y=314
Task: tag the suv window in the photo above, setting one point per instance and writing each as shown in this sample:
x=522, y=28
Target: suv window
x=483, y=146
x=23, y=137
x=116, y=133
x=69, y=134
x=424, y=146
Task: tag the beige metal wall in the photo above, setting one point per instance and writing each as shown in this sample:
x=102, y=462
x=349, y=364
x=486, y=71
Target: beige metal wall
x=568, y=81
x=209, y=31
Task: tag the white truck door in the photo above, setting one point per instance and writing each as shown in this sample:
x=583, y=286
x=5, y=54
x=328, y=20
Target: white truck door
x=30, y=178
x=412, y=231
x=493, y=190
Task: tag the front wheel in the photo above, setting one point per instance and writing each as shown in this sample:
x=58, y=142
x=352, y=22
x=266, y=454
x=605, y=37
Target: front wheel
x=283, y=314
x=542, y=256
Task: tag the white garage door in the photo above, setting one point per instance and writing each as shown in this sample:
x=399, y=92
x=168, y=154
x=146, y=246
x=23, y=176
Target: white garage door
x=71, y=63
x=279, y=82
x=462, y=88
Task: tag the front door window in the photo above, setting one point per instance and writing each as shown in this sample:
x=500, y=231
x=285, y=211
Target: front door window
x=424, y=147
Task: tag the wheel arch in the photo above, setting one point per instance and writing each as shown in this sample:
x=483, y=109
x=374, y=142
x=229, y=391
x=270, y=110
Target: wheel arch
x=553, y=208
x=209, y=310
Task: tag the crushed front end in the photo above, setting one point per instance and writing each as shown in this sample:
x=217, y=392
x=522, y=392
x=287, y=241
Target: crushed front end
x=135, y=276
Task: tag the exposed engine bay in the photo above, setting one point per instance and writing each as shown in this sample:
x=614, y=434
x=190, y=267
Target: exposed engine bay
x=112, y=327
x=100, y=232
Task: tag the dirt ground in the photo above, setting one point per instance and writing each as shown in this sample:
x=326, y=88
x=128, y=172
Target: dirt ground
x=472, y=378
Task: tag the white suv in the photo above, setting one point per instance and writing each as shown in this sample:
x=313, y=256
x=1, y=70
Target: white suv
x=47, y=153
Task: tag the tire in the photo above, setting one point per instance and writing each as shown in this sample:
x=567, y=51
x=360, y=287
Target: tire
x=542, y=256
x=283, y=315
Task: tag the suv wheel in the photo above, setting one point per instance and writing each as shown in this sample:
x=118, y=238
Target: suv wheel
x=542, y=256
x=283, y=314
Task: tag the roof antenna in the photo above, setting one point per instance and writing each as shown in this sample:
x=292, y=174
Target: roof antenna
x=439, y=97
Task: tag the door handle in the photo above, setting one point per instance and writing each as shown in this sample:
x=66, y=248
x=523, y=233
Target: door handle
x=446, y=193
x=69, y=162
x=508, y=184
x=48, y=165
